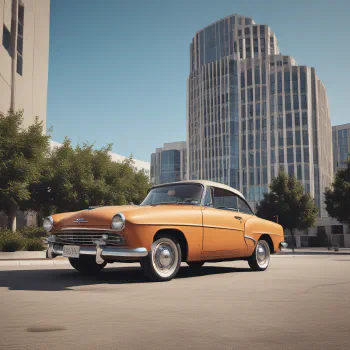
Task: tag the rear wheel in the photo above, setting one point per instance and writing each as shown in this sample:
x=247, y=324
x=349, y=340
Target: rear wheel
x=195, y=264
x=163, y=261
x=86, y=264
x=260, y=259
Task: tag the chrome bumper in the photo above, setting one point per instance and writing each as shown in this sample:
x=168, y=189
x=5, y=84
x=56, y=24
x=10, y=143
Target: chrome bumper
x=102, y=253
x=283, y=245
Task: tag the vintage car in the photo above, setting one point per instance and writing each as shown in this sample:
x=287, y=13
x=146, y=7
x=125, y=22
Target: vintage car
x=187, y=221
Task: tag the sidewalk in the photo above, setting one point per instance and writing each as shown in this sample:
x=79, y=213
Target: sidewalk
x=314, y=251
x=29, y=258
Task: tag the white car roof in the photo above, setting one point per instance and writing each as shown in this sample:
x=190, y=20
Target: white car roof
x=206, y=183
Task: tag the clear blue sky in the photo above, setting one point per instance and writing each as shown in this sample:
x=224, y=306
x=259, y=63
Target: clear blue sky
x=118, y=69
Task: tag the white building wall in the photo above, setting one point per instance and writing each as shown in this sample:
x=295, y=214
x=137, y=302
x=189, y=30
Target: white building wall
x=30, y=92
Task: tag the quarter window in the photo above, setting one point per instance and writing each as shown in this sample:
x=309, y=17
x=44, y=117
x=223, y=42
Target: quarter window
x=243, y=206
x=208, y=202
x=224, y=199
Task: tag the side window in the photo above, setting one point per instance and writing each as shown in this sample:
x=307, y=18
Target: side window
x=223, y=199
x=243, y=207
x=208, y=202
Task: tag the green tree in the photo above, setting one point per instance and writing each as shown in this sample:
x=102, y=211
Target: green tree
x=76, y=178
x=337, y=198
x=22, y=154
x=295, y=209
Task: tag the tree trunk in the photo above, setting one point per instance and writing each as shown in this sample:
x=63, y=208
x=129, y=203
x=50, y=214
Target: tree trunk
x=39, y=219
x=11, y=217
x=293, y=241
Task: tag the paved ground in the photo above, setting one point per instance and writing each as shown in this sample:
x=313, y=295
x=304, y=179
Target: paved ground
x=300, y=302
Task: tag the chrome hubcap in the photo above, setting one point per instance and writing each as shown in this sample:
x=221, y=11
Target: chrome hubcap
x=262, y=254
x=165, y=257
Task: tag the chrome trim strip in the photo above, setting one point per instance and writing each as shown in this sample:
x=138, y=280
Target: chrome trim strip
x=148, y=224
x=224, y=228
x=251, y=238
x=124, y=252
x=80, y=220
x=268, y=233
x=107, y=252
x=196, y=225
x=86, y=229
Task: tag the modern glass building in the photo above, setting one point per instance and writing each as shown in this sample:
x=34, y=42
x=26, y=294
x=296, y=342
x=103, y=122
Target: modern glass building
x=341, y=145
x=168, y=164
x=252, y=111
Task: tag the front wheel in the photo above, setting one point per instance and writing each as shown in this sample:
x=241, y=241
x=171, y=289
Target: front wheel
x=260, y=259
x=163, y=261
x=86, y=264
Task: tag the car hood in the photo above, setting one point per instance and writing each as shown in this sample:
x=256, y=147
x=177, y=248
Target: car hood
x=102, y=216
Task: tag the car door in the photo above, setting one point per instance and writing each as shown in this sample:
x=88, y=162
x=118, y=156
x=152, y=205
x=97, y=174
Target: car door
x=223, y=225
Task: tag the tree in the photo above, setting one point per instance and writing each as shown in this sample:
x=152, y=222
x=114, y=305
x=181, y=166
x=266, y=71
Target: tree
x=22, y=154
x=337, y=198
x=76, y=178
x=295, y=209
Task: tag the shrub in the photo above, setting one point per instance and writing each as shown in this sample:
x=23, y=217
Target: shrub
x=34, y=244
x=10, y=241
x=32, y=232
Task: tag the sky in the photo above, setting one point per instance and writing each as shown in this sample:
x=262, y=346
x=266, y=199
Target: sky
x=118, y=69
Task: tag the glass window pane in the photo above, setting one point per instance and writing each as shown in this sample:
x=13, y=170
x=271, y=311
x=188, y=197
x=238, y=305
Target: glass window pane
x=243, y=206
x=224, y=199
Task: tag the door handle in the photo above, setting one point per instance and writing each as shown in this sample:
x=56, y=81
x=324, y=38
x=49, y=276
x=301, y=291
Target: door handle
x=238, y=218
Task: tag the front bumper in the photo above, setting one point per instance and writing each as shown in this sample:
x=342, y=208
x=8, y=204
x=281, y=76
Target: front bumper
x=102, y=252
x=283, y=245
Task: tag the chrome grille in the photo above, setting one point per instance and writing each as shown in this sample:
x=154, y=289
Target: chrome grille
x=87, y=239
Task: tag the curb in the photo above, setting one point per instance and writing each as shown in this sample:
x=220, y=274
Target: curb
x=313, y=253
x=26, y=262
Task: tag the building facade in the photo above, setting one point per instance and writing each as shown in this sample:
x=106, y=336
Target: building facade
x=24, y=57
x=169, y=163
x=252, y=111
x=341, y=145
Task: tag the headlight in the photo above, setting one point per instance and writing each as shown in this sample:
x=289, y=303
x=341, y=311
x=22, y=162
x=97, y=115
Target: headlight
x=48, y=224
x=118, y=222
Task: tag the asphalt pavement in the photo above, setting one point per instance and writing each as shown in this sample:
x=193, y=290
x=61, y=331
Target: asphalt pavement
x=300, y=302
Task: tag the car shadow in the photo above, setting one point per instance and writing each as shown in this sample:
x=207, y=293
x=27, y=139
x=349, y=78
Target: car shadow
x=64, y=279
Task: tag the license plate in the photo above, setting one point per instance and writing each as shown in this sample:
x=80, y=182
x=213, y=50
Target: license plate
x=71, y=251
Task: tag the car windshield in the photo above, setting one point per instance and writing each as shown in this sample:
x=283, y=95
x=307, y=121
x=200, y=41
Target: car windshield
x=175, y=194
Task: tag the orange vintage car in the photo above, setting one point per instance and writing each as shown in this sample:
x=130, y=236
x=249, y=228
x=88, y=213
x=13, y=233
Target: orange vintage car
x=187, y=221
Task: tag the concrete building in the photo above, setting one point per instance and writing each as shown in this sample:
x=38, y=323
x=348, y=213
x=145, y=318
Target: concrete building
x=169, y=163
x=24, y=57
x=252, y=111
x=341, y=145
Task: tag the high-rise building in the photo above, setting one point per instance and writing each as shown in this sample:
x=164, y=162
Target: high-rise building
x=341, y=145
x=252, y=111
x=24, y=57
x=168, y=164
